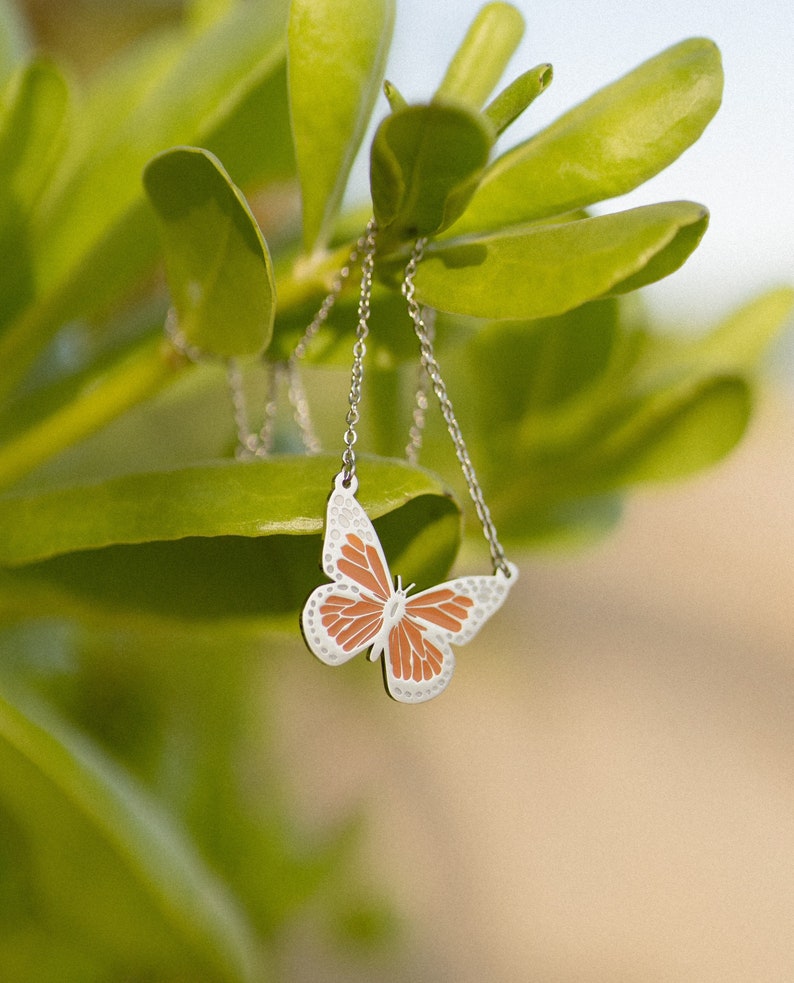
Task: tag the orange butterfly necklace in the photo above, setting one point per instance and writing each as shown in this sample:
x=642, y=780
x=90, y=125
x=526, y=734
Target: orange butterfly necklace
x=362, y=607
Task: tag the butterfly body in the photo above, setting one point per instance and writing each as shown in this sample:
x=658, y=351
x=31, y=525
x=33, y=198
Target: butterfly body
x=362, y=608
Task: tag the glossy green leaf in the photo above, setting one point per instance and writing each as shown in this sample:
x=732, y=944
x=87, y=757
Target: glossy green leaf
x=230, y=540
x=108, y=861
x=543, y=270
x=521, y=93
x=219, y=271
x=284, y=495
x=425, y=162
x=608, y=145
x=482, y=57
x=97, y=234
x=337, y=54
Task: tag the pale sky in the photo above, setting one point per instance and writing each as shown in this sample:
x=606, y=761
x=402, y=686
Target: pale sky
x=743, y=166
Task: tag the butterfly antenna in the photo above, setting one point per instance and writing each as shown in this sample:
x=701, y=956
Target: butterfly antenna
x=405, y=590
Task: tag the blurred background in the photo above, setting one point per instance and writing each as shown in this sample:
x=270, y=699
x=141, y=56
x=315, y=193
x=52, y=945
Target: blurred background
x=605, y=794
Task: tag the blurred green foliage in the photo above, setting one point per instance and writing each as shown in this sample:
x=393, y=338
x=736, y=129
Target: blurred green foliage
x=143, y=572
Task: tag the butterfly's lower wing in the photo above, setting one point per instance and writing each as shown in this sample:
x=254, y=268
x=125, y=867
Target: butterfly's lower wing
x=419, y=660
x=339, y=621
x=417, y=663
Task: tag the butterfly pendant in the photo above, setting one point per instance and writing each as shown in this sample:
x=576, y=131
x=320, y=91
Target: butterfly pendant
x=362, y=609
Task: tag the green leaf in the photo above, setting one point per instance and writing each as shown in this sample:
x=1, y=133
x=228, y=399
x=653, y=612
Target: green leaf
x=608, y=145
x=283, y=495
x=168, y=910
x=662, y=435
x=31, y=137
x=543, y=270
x=735, y=345
x=214, y=73
x=219, y=271
x=579, y=407
x=32, y=131
x=231, y=540
x=425, y=162
x=255, y=141
x=676, y=431
x=110, y=97
x=555, y=372
x=512, y=101
x=482, y=57
x=337, y=53
x=97, y=234
x=395, y=98
x=54, y=419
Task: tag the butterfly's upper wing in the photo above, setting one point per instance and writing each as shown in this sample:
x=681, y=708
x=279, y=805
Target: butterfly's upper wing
x=345, y=617
x=418, y=660
x=460, y=607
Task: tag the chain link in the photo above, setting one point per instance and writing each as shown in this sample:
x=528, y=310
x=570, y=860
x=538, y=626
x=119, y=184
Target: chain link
x=419, y=416
x=366, y=247
x=296, y=394
x=327, y=305
x=267, y=433
x=296, y=391
x=425, y=336
x=247, y=442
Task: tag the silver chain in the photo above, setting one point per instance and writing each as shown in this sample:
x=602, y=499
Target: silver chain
x=419, y=416
x=424, y=334
x=267, y=433
x=250, y=444
x=366, y=247
x=296, y=394
x=256, y=445
x=327, y=305
x=247, y=443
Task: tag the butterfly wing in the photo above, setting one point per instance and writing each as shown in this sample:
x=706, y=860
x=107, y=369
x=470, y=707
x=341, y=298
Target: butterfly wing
x=417, y=663
x=418, y=660
x=339, y=621
x=345, y=617
x=459, y=608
